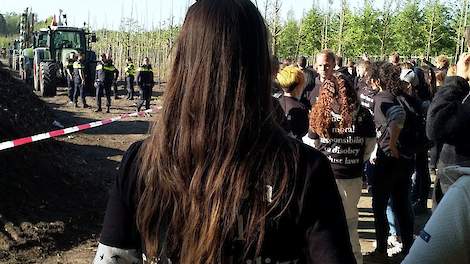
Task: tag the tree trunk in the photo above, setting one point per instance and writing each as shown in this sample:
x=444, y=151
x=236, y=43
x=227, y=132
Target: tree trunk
x=341, y=27
x=431, y=30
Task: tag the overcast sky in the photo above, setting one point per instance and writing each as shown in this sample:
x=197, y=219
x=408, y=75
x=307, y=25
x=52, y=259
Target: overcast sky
x=108, y=13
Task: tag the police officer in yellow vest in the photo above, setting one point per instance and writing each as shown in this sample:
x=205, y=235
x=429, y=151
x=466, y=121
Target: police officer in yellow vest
x=106, y=74
x=79, y=80
x=130, y=74
x=145, y=82
x=109, y=62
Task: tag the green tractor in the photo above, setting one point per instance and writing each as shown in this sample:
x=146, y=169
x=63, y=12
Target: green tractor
x=51, y=50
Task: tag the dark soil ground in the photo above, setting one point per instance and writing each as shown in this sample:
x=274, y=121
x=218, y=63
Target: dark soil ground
x=53, y=193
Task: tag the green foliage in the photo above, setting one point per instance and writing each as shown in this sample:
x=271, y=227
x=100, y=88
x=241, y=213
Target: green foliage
x=133, y=41
x=362, y=32
x=410, y=30
x=289, y=39
x=5, y=41
x=3, y=25
x=375, y=31
x=310, y=33
x=443, y=35
x=12, y=23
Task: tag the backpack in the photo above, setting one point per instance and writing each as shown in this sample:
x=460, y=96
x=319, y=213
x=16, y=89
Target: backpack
x=412, y=138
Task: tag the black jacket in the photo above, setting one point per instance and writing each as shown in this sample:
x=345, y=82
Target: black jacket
x=296, y=115
x=448, y=120
x=145, y=75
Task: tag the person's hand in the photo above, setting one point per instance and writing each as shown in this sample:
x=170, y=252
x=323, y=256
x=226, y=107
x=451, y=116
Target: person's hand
x=395, y=152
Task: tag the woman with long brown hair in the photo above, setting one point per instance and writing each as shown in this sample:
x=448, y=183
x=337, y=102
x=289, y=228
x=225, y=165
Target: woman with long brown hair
x=394, y=162
x=345, y=132
x=218, y=181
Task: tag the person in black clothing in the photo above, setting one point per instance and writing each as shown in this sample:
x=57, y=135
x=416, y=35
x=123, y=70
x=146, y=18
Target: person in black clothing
x=79, y=80
x=345, y=132
x=421, y=180
x=276, y=90
x=291, y=80
x=393, y=163
x=218, y=181
x=301, y=62
x=130, y=76
x=106, y=74
x=69, y=73
x=365, y=90
x=145, y=82
x=311, y=76
x=352, y=69
x=448, y=119
x=435, y=151
x=110, y=63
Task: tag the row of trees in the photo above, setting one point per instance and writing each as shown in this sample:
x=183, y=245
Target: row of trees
x=133, y=41
x=8, y=28
x=411, y=27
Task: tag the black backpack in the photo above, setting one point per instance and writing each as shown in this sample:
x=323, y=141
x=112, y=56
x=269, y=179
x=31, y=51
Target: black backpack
x=412, y=137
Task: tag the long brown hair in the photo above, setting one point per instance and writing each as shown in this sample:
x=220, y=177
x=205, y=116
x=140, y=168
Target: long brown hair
x=216, y=146
x=338, y=89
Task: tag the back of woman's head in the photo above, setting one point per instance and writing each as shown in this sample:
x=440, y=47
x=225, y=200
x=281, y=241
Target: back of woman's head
x=216, y=146
x=387, y=76
x=339, y=91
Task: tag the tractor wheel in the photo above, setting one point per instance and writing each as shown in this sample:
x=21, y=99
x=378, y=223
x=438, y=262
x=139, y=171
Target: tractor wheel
x=47, y=78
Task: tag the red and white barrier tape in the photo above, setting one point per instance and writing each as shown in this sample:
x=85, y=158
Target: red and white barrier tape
x=69, y=130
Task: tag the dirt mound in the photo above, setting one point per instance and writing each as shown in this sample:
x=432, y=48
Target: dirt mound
x=38, y=183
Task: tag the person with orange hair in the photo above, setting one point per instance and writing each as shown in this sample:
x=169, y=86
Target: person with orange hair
x=292, y=81
x=345, y=132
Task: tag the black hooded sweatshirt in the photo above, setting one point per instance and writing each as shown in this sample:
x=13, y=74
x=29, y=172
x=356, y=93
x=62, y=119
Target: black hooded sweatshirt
x=448, y=120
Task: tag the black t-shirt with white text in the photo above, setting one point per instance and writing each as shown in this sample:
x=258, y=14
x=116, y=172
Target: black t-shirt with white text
x=346, y=151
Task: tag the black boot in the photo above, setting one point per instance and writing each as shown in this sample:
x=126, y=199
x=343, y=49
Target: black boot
x=98, y=110
x=107, y=109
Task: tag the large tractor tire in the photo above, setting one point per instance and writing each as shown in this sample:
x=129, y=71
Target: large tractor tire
x=47, y=78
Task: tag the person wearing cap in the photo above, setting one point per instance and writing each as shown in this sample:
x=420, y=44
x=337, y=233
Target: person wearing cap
x=421, y=179
x=145, y=82
x=106, y=74
x=130, y=75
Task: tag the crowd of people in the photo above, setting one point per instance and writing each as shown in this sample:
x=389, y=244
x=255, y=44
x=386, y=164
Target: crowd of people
x=256, y=161
x=105, y=77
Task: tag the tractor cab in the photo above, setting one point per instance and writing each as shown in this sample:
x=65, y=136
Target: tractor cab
x=53, y=47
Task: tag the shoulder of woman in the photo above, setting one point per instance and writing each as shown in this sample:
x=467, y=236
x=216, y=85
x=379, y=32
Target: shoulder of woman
x=128, y=172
